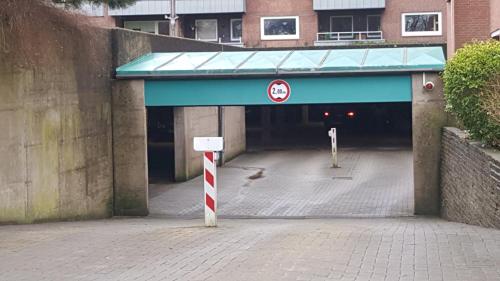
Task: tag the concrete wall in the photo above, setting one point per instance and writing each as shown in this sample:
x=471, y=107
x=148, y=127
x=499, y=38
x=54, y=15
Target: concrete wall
x=234, y=131
x=470, y=181
x=56, y=146
x=55, y=119
x=129, y=44
x=190, y=122
x=130, y=148
x=429, y=118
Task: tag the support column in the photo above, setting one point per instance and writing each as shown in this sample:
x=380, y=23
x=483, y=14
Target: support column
x=130, y=149
x=190, y=122
x=429, y=118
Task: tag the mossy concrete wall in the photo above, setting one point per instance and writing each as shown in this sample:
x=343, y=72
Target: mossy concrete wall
x=56, y=76
x=429, y=118
x=55, y=122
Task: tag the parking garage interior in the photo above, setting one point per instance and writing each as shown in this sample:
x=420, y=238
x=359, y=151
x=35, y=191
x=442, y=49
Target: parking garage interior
x=287, y=170
x=160, y=143
x=357, y=124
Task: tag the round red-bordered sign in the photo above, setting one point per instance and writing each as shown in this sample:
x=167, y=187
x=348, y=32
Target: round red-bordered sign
x=279, y=91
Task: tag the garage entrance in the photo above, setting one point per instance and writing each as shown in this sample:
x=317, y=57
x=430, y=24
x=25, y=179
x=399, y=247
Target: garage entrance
x=160, y=131
x=286, y=169
x=373, y=96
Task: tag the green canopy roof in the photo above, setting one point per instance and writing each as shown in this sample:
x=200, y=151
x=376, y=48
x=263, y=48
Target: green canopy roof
x=303, y=62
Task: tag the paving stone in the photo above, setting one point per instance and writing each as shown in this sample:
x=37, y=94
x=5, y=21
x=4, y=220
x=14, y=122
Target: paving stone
x=249, y=249
x=372, y=182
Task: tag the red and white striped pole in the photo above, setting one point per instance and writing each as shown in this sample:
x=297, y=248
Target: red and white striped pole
x=209, y=146
x=210, y=186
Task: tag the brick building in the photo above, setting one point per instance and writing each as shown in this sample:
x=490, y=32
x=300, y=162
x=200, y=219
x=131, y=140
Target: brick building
x=471, y=20
x=289, y=23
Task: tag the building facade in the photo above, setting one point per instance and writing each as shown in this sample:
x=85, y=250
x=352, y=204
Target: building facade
x=289, y=23
x=471, y=20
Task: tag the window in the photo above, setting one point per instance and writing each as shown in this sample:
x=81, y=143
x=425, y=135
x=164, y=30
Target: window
x=373, y=24
x=342, y=25
x=421, y=24
x=236, y=28
x=279, y=28
x=206, y=30
x=144, y=26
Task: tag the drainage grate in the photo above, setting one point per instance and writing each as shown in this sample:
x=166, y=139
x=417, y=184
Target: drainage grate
x=342, y=178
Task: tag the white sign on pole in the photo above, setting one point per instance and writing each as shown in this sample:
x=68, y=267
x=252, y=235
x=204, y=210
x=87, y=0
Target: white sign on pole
x=333, y=135
x=208, y=143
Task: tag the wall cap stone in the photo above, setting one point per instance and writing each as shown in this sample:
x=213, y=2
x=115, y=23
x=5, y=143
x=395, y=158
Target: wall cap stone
x=463, y=135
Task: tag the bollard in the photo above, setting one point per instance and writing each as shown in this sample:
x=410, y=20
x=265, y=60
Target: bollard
x=210, y=146
x=333, y=136
x=210, y=187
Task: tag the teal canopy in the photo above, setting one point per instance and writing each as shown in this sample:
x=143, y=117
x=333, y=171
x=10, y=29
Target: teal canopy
x=299, y=62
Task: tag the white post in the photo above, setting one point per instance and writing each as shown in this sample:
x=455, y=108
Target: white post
x=333, y=135
x=210, y=187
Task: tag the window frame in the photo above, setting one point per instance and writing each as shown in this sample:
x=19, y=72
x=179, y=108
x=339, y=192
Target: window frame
x=346, y=16
x=368, y=35
x=155, y=22
x=216, y=39
x=405, y=33
x=343, y=36
x=368, y=22
x=296, y=36
x=234, y=39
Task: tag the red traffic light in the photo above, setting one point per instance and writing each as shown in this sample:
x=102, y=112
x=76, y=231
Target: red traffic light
x=351, y=114
x=326, y=114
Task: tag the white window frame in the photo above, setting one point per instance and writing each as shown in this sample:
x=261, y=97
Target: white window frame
x=156, y=24
x=405, y=33
x=238, y=39
x=216, y=30
x=263, y=36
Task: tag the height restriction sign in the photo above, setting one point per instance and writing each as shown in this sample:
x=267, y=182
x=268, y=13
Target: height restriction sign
x=278, y=91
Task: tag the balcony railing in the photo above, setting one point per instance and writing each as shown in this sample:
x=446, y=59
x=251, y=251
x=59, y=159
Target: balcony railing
x=346, y=37
x=237, y=43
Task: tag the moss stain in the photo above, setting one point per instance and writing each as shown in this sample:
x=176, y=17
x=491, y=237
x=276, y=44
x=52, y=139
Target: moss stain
x=45, y=174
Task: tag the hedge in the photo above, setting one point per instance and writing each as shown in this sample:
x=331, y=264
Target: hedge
x=472, y=90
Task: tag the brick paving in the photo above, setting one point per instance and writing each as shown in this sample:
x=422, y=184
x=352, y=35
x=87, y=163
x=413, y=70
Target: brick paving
x=372, y=182
x=411, y=248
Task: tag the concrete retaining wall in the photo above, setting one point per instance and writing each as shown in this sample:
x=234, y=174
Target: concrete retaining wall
x=56, y=76
x=470, y=181
x=55, y=119
x=428, y=119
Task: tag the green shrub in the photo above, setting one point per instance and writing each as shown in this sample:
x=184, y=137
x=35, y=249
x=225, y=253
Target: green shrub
x=472, y=92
